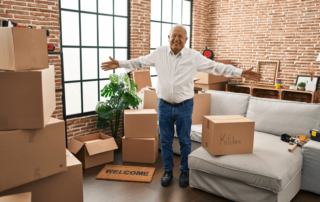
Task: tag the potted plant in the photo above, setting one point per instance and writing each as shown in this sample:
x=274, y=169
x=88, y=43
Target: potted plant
x=302, y=85
x=120, y=94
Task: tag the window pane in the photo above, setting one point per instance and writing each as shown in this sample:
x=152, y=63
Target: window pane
x=121, y=7
x=105, y=31
x=89, y=5
x=166, y=10
x=70, y=28
x=155, y=34
x=73, y=98
x=88, y=29
x=186, y=12
x=70, y=4
x=165, y=32
x=156, y=10
x=154, y=81
x=104, y=54
x=121, y=54
x=89, y=63
x=189, y=39
x=120, y=32
x=71, y=64
x=106, y=6
x=176, y=11
x=102, y=85
x=90, y=96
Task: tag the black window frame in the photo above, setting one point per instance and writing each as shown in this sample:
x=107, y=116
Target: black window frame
x=81, y=81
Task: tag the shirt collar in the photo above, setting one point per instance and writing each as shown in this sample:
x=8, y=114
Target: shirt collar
x=182, y=52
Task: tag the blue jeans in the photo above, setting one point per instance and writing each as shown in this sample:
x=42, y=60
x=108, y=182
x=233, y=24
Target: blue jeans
x=167, y=116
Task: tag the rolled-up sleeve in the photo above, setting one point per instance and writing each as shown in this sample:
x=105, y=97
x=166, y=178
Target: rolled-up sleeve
x=206, y=65
x=141, y=62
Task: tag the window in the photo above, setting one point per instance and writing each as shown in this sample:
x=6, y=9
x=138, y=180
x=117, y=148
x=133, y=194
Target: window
x=91, y=31
x=164, y=15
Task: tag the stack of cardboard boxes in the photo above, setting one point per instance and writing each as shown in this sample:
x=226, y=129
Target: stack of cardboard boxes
x=32, y=144
x=140, y=143
x=210, y=81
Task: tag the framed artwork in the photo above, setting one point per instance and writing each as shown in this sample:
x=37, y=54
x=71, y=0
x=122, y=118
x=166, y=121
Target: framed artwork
x=271, y=80
x=310, y=85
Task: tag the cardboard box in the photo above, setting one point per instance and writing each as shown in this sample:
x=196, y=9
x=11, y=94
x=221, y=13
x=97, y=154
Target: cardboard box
x=140, y=123
x=214, y=86
x=150, y=100
x=24, y=197
x=205, y=78
x=27, y=99
x=142, y=79
x=23, y=49
x=93, y=150
x=29, y=155
x=229, y=134
x=140, y=150
x=63, y=187
x=201, y=107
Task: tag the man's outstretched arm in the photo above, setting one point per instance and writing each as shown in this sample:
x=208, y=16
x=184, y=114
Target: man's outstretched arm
x=208, y=66
x=129, y=65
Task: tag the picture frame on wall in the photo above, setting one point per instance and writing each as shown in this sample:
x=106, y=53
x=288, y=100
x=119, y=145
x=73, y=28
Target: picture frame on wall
x=310, y=85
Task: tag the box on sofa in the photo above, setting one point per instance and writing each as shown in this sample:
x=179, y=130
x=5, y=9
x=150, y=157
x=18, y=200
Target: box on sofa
x=229, y=134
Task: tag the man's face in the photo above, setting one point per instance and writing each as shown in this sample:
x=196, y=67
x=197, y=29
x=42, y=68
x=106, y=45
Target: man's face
x=177, y=39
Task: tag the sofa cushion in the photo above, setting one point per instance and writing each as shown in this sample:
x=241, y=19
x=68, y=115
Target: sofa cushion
x=278, y=117
x=227, y=103
x=271, y=166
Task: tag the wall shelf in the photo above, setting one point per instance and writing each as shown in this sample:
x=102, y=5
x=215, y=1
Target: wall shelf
x=273, y=93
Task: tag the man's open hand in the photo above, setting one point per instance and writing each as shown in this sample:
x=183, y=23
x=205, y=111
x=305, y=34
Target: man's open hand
x=251, y=75
x=110, y=65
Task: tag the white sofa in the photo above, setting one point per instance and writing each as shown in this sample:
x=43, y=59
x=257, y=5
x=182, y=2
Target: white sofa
x=271, y=172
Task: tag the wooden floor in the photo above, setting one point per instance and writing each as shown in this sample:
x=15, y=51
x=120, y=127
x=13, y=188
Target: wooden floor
x=117, y=191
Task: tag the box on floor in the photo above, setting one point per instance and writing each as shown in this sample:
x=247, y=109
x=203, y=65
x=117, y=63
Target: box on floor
x=27, y=98
x=93, y=150
x=29, y=155
x=23, y=49
x=150, y=100
x=201, y=107
x=140, y=123
x=229, y=134
x=63, y=187
x=205, y=78
x=142, y=79
x=24, y=197
x=213, y=86
x=140, y=150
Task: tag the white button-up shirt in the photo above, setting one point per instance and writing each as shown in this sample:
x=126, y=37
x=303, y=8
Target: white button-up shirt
x=176, y=72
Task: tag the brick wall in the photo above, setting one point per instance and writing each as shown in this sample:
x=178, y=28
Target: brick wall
x=200, y=25
x=246, y=31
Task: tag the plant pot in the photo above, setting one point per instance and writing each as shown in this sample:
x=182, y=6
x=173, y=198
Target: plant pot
x=301, y=88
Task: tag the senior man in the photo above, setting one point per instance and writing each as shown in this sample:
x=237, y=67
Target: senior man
x=176, y=67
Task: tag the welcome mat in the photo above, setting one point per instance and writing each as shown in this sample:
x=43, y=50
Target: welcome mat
x=126, y=173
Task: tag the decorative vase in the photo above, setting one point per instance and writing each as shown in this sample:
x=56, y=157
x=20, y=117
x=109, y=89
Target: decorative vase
x=301, y=88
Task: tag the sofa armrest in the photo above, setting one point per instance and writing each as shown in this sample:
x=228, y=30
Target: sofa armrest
x=311, y=167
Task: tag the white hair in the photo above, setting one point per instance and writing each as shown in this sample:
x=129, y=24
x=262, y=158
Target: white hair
x=178, y=25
